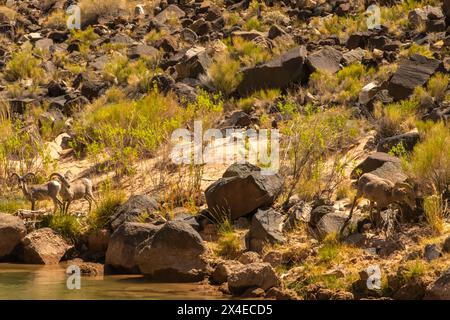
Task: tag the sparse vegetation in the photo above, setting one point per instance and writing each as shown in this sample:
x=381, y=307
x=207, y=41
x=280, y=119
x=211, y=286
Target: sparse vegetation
x=435, y=213
x=396, y=118
x=224, y=74
x=342, y=87
x=311, y=137
x=24, y=65
x=109, y=201
x=429, y=162
x=66, y=225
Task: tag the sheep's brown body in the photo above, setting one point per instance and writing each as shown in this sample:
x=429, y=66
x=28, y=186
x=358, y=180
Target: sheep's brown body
x=34, y=193
x=382, y=192
x=71, y=191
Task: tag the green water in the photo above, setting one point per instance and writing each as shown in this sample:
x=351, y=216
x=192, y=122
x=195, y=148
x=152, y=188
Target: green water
x=49, y=283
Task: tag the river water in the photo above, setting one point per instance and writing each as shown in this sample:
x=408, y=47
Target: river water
x=19, y=281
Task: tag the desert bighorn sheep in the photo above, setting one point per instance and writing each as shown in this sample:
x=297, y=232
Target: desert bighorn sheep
x=33, y=193
x=383, y=192
x=70, y=191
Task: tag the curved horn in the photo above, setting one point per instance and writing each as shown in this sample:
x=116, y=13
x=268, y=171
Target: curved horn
x=60, y=176
x=29, y=174
x=15, y=174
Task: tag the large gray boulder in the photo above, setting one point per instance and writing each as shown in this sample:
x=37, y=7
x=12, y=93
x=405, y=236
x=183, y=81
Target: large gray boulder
x=412, y=73
x=175, y=254
x=266, y=228
x=326, y=59
x=171, y=12
x=280, y=72
x=241, y=191
x=254, y=275
x=383, y=165
x=132, y=209
x=123, y=246
x=12, y=230
x=44, y=246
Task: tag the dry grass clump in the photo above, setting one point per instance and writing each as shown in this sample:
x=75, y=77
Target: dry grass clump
x=7, y=14
x=396, y=118
x=92, y=10
x=56, y=20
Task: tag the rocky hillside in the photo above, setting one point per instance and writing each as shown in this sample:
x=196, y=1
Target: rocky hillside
x=354, y=93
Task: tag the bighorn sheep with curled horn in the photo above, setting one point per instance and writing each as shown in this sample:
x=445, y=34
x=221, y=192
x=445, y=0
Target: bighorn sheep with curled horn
x=33, y=193
x=71, y=191
x=383, y=192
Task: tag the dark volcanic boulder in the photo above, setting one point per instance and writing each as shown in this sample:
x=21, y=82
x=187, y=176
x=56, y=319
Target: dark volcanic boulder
x=326, y=59
x=411, y=73
x=123, y=246
x=44, y=246
x=92, y=89
x=330, y=223
x=196, y=61
x=142, y=50
x=280, y=72
x=382, y=165
x=240, y=169
x=254, y=275
x=12, y=230
x=446, y=8
x=132, y=209
x=408, y=140
x=440, y=289
x=265, y=229
x=171, y=12
x=242, y=193
x=175, y=254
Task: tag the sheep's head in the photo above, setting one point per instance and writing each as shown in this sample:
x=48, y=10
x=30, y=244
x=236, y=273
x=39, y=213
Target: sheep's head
x=21, y=180
x=61, y=178
x=404, y=193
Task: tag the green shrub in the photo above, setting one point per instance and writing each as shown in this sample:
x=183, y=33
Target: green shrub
x=417, y=49
x=106, y=207
x=435, y=213
x=12, y=205
x=23, y=65
x=248, y=53
x=254, y=24
x=229, y=245
x=258, y=98
x=436, y=88
x=309, y=141
x=430, y=159
x=342, y=87
x=66, y=225
x=224, y=74
x=19, y=150
x=413, y=270
x=398, y=118
x=85, y=37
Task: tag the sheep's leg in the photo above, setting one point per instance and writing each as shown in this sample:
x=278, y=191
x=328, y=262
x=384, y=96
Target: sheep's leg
x=90, y=198
x=376, y=218
x=67, y=207
x=90, y=203
x=58, y=203
x=55, y=205
x=370, y=207
x=350, y=215
x=33, y=205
